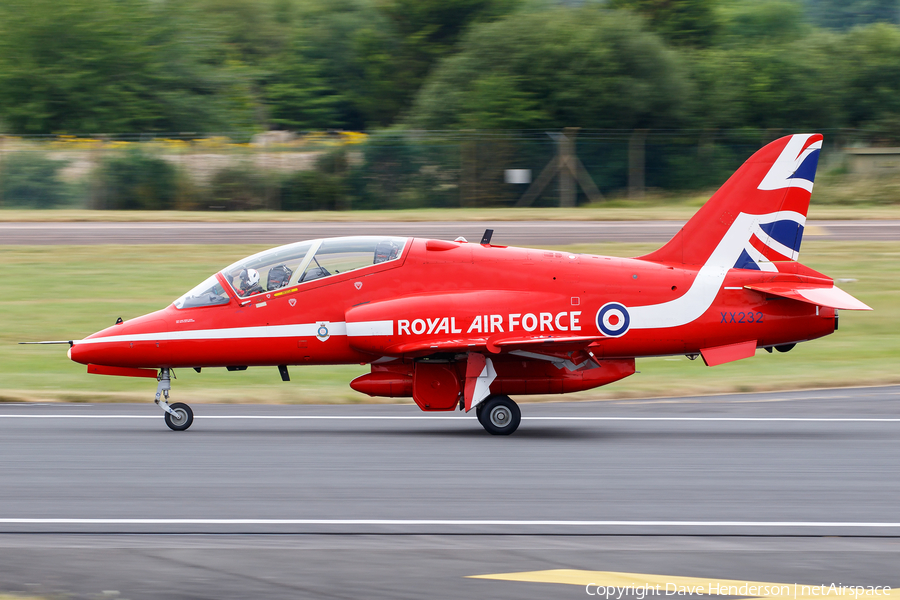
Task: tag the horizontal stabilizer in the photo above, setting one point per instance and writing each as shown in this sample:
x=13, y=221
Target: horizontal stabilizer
x=831, y=297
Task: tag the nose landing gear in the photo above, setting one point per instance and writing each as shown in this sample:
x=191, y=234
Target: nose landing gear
x=179, y=415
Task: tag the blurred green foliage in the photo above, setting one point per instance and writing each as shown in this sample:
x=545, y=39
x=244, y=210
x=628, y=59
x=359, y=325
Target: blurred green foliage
x=135, y=180
x=528, y=72
x=711, y=79
x=242, y=188
x=111, y=65
x=313, y=190
x=759, y=65
x=844, y=14
x=31, y=180
x=121, y=66
x=681, y=22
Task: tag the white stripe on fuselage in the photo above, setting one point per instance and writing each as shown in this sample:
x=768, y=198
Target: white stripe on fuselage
x=710, y=278
x=359, y=329
x=370, y=328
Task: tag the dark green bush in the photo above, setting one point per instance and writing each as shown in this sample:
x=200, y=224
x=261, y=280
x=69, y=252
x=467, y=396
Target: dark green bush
x=135, y=180
x=400, y=170
x=314, y=190
x=31, y=180
x=242, y=188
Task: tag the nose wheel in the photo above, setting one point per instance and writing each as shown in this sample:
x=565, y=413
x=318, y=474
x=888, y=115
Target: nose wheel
x=179, y=415
x=180, y=418
x=499, y=415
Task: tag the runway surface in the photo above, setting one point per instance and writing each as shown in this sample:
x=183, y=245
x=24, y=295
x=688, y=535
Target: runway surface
x=387, y=502
x=533, y=233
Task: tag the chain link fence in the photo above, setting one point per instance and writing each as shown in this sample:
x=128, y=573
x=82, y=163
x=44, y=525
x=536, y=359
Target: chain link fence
x=385, y=170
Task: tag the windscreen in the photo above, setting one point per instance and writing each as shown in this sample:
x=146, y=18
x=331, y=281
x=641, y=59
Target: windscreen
x=208, y=293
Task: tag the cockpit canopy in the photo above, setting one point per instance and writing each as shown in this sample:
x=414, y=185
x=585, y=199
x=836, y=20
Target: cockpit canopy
x=294, y=264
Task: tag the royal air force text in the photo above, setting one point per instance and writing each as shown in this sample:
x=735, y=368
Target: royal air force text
x=544, y=322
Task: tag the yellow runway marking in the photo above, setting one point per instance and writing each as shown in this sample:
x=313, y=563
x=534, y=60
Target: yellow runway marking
x=815, y=230
x=652, y=586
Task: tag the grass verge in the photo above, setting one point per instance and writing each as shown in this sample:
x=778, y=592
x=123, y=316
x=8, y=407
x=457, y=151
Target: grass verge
x=67, y=292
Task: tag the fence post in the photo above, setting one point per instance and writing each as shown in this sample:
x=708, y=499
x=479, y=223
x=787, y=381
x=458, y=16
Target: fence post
x=566, y=172
x=568, y=166
x=2, y=156
x=97, y=195
x=467, y=167
x=636, y=161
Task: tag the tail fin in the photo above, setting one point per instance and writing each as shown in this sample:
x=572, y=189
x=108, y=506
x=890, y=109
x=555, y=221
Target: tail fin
x=757, y=217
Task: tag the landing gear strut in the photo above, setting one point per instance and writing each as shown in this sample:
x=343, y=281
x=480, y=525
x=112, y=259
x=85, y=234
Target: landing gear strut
x=499, y=415
x=179, y=416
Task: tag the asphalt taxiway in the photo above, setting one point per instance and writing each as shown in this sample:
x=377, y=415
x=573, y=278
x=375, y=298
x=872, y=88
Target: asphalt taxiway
x=513, y=233
x=381, y=501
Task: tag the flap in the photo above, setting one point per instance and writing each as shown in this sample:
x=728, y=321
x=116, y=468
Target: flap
x=423, y=348
x=530, y=341
x=830, y=296
x=719, y=355
x=493, y=344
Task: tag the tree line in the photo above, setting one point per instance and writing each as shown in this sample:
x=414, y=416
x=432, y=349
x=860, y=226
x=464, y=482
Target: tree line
x=78, y=66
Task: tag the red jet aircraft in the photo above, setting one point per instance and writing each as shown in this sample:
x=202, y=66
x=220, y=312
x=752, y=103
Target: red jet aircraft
x=464, y=325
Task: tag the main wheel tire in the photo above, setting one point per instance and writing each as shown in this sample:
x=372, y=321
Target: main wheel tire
x=182, y=418
x=500, y=415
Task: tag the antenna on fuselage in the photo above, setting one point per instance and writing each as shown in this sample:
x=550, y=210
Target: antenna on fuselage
x=486, y=238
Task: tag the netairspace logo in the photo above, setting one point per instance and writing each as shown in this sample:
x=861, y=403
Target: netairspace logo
x=789, y=591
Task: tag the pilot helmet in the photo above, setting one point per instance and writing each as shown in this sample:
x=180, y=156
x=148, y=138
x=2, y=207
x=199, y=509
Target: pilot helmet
x=278, y=277
x=249, y=278
x=385, y=251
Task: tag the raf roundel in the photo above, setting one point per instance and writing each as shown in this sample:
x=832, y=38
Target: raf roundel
x=613, y=319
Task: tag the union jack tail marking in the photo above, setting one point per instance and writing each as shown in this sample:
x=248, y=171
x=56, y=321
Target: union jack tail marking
x=767, y=199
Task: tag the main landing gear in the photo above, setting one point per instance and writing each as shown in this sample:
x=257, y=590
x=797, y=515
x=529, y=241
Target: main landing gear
x=179, y=415
x=499, y=415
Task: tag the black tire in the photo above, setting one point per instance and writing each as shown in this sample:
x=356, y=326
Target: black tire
x=499, y=415
x=184, y=418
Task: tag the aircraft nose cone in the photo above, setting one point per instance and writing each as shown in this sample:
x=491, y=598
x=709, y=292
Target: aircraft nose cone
x=91, y=353
x=136, y=343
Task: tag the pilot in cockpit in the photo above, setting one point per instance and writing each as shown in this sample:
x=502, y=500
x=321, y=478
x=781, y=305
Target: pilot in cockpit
x=279, y=276
x=249, y=283
x=385, y=251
